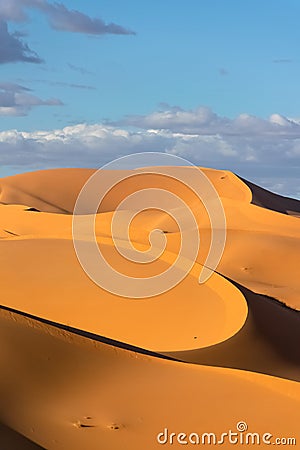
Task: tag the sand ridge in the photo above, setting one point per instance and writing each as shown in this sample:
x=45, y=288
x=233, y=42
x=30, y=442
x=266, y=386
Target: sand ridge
x=93, y=394
x=229, y=335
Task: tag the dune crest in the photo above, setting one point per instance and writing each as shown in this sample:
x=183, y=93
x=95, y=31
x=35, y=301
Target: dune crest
x=104, y=368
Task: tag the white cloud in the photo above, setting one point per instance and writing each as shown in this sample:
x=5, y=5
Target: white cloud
x=203, y=120
x=267, y=150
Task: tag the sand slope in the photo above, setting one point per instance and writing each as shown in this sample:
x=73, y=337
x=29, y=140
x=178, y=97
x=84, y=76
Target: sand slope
x=88, y=366
x=92, y=395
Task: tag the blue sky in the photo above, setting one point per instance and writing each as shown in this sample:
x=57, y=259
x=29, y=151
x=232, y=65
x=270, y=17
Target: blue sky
x=214, y=81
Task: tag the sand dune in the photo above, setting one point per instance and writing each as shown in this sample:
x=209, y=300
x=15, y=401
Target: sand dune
x=47, y=190
x=93, y=395
x=56, y=190
x=267, y=343
x=83, y=368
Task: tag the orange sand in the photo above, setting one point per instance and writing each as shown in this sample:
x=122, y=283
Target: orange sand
x=85, y=369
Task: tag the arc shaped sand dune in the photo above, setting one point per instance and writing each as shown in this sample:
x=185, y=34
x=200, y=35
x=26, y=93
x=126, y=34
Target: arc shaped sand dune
x=84, y=368
x=93, y=395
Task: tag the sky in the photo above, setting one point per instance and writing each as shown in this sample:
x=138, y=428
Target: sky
x=217, y=82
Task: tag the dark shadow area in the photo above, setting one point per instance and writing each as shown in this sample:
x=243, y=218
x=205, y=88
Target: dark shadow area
x=10, y=232
x=32, y=209
x=266, y=199
x=11, y=440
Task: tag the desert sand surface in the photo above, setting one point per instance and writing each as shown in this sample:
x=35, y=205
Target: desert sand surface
x=84, y=368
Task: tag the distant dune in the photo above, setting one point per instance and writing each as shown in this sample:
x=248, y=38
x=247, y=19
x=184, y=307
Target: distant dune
x=84, y=368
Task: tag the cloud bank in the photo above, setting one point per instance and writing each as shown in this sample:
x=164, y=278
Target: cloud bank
x=265, y=150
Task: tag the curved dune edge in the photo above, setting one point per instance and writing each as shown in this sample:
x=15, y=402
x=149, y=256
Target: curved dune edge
x=252, y=230
x=261, y=252
x=267, y=343
x=172, y=321
x=119, y=387
x=81, y=393
x=56, y=190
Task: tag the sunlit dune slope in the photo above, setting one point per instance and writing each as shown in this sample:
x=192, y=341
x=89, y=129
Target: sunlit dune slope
x=267, y=343
x=54, y=287
x=252, y=231
x=81, y=393
x=56, y=190
x=95, y=368
x=48, y=190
